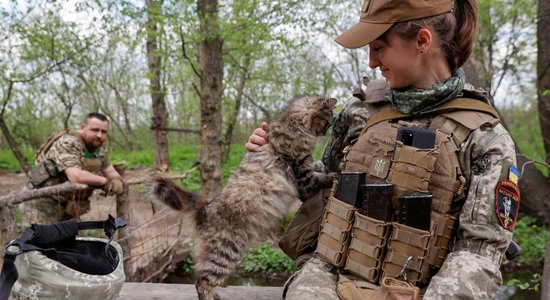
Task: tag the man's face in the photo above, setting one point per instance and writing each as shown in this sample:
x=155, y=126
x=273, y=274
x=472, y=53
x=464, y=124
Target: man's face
x=94, y=132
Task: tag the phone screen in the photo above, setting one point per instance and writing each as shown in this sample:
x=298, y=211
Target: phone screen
x=416, y=137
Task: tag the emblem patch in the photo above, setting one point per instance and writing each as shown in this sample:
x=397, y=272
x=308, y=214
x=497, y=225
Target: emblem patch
x=380, y=167
x=507, y=203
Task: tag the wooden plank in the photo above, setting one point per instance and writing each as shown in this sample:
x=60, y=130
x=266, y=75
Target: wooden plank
x=162, y=291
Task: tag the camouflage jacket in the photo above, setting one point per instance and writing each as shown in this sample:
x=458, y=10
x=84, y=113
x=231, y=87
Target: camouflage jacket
x=70, y=152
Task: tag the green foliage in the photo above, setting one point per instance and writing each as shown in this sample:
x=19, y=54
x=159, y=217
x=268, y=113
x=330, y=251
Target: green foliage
x=531, y=284
x=8, y=161
x=524, y=126
x=264, y=259
x=532, y=237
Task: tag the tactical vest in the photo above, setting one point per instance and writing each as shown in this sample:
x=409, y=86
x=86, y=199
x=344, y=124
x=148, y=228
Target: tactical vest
x=373, y=249
x=45, y=173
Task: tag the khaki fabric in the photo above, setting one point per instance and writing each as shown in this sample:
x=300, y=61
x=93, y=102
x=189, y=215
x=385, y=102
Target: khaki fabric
x=389, y=289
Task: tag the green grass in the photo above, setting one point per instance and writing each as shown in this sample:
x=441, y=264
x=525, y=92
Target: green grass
x=532, y=237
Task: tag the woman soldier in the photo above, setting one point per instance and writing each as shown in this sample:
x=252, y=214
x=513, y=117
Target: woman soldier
x=419, y=47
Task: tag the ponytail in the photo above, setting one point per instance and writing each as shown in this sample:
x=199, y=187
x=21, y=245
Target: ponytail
x=456, y=31
x=466, y=30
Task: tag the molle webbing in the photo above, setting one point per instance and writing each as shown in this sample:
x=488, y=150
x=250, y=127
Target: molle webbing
x=405, y=242
x=367, y=248
x=335, y=234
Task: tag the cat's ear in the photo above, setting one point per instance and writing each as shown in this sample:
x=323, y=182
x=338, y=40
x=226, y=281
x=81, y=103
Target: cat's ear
x=329, y=103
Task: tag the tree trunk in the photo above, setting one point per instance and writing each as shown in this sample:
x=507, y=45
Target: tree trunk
x=8, y=228
x=211, y=90
x=14, y=147
x=228, y=138
x=160, y=114
x=543, y=91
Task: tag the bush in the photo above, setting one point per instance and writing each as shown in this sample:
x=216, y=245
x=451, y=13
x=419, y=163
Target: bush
x=264, y=259
x=532, y=237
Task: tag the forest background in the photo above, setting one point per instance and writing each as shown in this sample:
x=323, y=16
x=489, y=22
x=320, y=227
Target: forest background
x=179, y=77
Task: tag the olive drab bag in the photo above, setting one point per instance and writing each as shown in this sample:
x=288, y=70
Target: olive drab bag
x=51, y=262
x=44, y=169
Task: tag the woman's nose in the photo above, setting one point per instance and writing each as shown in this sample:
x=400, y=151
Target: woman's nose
x=373, y=59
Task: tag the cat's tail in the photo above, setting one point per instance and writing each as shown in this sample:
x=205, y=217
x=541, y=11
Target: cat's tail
x=175, y=197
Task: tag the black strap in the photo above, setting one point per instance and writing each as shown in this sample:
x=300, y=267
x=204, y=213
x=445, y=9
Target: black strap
x=38, y=234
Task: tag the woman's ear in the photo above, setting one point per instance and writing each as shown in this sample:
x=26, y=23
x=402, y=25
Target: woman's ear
x=424, y=40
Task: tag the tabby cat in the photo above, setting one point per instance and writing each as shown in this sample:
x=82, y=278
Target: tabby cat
x=257, y=194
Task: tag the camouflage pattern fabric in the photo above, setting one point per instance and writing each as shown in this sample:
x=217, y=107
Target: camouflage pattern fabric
x=315, y=280
x=414, y=101
x=42, y=210
x=66, y=152
x=41, y=278
x=346, y=127
x=472, y=270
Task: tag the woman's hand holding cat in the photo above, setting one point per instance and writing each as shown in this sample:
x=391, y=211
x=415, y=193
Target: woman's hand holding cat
x=257, y=139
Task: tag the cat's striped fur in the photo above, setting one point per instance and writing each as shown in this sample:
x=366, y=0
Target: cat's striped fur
x=257, y=194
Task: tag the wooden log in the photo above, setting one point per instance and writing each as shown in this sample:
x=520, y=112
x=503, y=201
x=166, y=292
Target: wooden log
x=150, y=291
x=8, y=228
x=25, y=195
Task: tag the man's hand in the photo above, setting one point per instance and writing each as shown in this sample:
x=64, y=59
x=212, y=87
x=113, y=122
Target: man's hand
x=257, y=138
x=114, y=186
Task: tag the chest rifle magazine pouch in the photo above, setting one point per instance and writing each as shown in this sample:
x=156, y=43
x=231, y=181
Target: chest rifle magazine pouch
x=366, y=252
x=405, y=242
x=335, y=234
x=411, y=170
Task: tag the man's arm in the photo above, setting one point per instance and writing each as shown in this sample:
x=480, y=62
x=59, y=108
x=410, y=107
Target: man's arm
x=110, y=172
x=76, y=175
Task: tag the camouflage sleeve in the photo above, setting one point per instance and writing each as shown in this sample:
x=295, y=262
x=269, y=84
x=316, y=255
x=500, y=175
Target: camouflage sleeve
x=471, y=270
x=66, y=152
x=346, y=127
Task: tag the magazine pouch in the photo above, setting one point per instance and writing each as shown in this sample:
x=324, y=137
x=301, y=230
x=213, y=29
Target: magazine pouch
x=335, y=234
x=407, y=253
x=366, y=252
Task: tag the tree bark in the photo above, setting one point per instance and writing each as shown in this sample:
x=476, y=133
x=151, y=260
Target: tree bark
x=154, y=60
x=211, y=90
x=543, y=91
x=14, y=147
x=228, y=138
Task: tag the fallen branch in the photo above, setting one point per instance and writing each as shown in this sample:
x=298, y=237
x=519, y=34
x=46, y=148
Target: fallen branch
x=22, y=196
x=19, y=197
x=181, y=176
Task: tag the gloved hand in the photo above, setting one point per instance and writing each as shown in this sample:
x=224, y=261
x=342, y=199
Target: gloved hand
x=114, y=186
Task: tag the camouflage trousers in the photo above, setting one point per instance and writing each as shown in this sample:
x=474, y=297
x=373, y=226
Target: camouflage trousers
x=315, y=280
x=46, y=210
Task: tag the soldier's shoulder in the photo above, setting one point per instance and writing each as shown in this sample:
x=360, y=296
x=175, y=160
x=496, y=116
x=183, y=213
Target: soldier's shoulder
x=68, y=139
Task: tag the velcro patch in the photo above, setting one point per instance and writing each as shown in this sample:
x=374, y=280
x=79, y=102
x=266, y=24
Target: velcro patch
x=507, y=203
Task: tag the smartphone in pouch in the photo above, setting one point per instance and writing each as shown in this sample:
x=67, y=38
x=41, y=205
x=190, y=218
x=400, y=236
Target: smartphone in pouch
x=416, y=137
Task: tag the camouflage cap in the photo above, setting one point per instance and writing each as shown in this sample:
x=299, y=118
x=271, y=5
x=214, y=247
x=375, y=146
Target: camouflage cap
x=377, y=16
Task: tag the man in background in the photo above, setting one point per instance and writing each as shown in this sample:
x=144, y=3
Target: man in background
x=74, y=156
